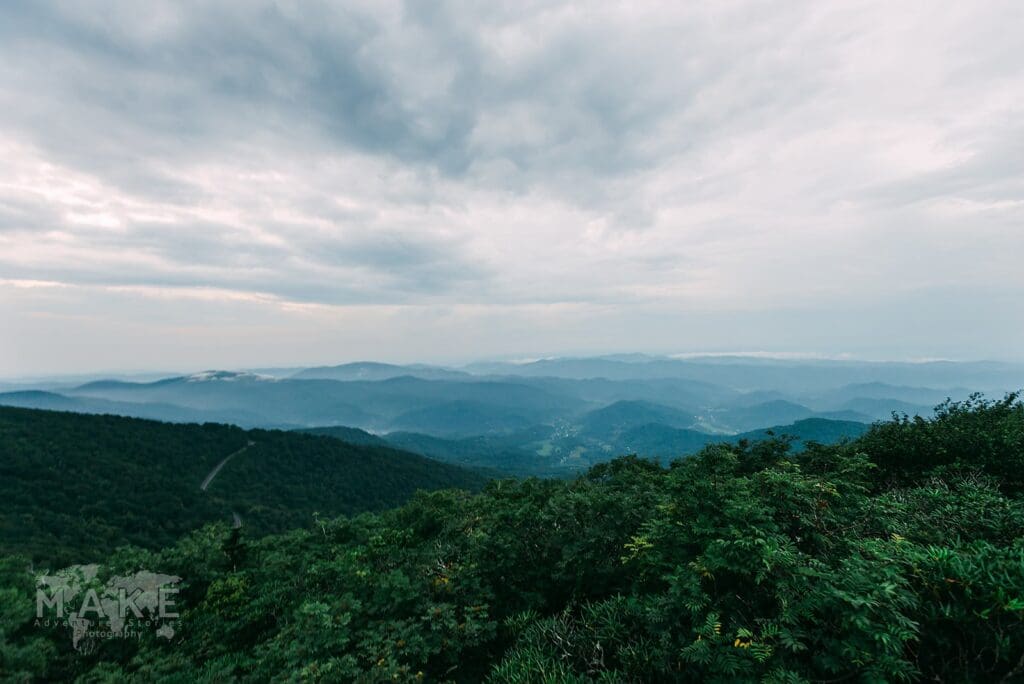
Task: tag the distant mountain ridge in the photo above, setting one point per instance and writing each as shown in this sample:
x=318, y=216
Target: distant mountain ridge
x=750, y=373
x=547, y=415
x=373, y=405
x=369, y=370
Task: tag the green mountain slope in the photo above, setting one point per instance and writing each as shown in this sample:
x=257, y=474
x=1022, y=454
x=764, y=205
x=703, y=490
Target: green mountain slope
x=72, y=486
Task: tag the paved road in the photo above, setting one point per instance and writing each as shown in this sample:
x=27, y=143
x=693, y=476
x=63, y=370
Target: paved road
x=216, y=468
x=236, y=519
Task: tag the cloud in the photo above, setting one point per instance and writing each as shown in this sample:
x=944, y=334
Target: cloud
x=605, y=158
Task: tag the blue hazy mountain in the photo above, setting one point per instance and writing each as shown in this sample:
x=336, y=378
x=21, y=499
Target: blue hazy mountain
x=373, y=405
x=745, y=373
x=921, y=396
x=882, y=409
x=777, y=412
x=552, y=415
x=368, y=370
x=681, y=393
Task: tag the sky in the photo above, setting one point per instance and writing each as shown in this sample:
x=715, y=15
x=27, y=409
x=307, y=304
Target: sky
x=189, y=185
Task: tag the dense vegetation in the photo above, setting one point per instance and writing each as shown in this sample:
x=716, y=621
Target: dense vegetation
x=895, y=557
x=73, y=487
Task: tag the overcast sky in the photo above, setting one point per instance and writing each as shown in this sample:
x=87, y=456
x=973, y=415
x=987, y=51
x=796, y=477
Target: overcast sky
x=214, y=184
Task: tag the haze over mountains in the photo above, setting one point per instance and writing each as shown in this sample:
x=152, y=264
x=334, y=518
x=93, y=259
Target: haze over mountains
x=550, y=415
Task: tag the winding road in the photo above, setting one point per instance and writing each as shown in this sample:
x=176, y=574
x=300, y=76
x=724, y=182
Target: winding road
x=236, y=519
x=224, y=461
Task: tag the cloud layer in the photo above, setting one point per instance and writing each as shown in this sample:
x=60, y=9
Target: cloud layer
x=326, y=181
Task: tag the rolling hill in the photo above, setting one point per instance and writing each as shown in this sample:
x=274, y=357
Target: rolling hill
x=109, y=480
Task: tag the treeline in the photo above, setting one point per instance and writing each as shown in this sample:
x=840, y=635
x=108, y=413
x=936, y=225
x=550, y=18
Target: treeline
x=895, y=557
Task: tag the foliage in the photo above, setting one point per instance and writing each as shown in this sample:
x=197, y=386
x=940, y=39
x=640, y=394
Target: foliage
x=872, y=560
x=962, y=437
x=73, y=487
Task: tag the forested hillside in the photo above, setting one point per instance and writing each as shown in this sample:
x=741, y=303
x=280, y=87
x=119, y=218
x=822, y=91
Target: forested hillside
x=898, y=556
x=73, y=487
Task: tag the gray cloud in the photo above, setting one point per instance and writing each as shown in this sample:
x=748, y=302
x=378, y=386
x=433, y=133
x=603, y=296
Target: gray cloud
x=598, y=157
x=429, y=86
